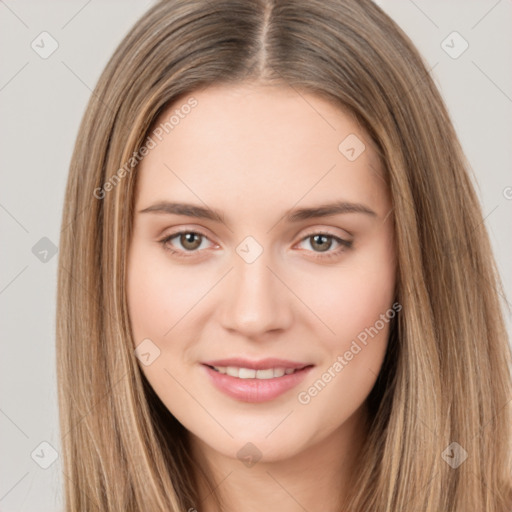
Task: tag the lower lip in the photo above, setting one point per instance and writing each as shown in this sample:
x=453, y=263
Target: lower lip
x=255, y=390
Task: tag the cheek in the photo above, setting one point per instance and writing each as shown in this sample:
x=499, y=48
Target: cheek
x=354, y=355
x=355, y=296
x=145, y=295
x=357, y=306
x=159, y=294
x=157, y=300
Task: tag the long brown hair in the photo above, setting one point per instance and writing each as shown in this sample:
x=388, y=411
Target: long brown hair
x=446, y=377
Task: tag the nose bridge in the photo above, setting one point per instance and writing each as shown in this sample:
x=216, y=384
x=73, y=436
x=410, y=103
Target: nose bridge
x=255, y=302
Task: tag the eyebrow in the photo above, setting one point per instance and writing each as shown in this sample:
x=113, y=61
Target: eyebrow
x=293, y=215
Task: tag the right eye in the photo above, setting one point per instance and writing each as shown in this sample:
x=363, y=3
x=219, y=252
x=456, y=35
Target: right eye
x=190, y=242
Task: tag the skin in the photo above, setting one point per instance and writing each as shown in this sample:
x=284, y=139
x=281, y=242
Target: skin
x=254, y=152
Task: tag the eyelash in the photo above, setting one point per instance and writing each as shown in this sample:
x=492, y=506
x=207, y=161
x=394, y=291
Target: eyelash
x=345, y=244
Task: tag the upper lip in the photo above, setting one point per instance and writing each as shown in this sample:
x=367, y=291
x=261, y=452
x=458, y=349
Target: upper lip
x=262, y=364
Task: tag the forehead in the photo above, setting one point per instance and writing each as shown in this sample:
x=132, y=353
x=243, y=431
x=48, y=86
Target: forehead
x=252, y=143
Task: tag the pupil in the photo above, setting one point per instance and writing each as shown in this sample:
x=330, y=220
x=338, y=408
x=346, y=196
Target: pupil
x=322, y=245
x=189, y=239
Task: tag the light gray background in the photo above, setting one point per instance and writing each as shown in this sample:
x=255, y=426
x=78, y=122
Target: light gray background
x=41, y=105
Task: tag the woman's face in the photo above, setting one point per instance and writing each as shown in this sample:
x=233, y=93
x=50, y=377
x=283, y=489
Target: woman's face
x=273, y=274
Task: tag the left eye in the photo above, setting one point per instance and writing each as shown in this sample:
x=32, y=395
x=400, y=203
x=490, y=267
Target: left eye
x=324, y=241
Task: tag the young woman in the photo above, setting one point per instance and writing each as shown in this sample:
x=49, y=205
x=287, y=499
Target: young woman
x=276, y=291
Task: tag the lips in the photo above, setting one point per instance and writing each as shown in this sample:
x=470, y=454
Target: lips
x=246, y=389
x=262, y=364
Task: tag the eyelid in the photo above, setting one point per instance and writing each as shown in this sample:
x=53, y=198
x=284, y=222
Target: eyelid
x=328, y=231
x=187, y=229
x=312, y=230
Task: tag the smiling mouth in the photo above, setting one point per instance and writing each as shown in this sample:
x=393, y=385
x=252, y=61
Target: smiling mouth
x=250, y=373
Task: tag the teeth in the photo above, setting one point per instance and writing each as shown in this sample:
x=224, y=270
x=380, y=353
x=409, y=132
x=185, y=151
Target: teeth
x=278, y=372
x=249, y=373
x=264, y=374
x=246, y=373
x=231, y=370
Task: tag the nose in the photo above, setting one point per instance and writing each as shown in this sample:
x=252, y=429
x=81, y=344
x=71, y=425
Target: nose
x=256, y=300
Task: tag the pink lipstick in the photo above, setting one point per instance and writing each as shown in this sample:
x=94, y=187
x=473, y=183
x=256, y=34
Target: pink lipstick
x=255, y=381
